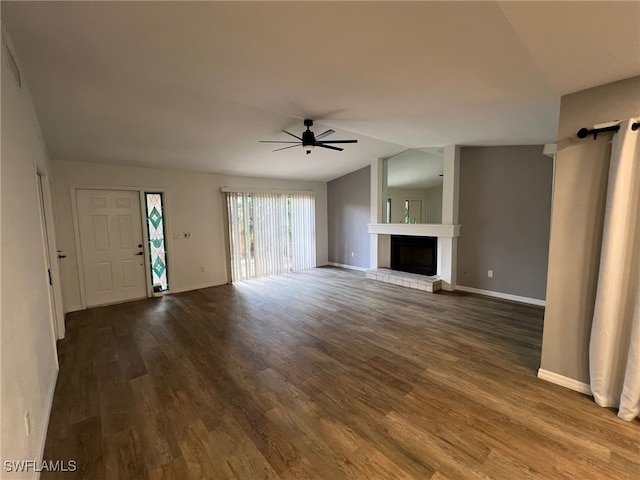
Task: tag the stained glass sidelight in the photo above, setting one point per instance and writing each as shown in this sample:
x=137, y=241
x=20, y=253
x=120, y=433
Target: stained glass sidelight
x=157, y=250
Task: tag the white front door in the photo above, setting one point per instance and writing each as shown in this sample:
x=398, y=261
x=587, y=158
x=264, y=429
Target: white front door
x=112, y=247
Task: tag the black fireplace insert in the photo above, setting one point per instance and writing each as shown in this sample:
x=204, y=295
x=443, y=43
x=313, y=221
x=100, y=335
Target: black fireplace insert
x=414, y=254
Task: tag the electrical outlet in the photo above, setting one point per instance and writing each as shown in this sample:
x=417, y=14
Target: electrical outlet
x=202, y=269
x=490, y=274
x=27, y=423
x=353, y=254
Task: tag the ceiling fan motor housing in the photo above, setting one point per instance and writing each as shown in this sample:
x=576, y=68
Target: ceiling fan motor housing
x=308, y=138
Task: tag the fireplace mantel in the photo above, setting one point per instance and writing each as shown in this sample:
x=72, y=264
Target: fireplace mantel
x=415, y=229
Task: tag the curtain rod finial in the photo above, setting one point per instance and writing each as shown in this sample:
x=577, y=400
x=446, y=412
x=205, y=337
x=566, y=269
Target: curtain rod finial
x=583, y=133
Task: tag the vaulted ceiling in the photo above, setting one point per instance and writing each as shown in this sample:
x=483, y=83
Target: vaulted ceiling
x=196, y=85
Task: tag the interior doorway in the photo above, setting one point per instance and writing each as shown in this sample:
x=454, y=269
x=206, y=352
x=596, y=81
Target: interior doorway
x=111, y=245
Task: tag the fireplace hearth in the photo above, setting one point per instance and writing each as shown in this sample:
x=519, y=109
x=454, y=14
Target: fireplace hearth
x=414, y=254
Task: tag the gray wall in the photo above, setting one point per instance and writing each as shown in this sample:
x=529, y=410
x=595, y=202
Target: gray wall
x=349, y=212
x=576, y=229
x=505, y=208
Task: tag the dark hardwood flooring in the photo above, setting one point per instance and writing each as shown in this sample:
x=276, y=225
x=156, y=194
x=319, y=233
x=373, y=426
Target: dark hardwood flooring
x=323, y=375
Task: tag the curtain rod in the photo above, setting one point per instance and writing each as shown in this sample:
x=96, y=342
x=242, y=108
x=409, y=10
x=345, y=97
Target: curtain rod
x=585, y=132
x=264, y=190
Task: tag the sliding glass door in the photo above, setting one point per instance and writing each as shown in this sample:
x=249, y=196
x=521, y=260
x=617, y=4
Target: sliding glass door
x=270, y=233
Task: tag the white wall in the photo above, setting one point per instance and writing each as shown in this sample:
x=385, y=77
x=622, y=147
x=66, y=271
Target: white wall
x=194, y=203
x=427, y=196
x=28, y=366
x=399, y=195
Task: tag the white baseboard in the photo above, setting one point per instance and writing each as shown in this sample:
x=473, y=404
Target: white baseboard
x=504, y=296
x=194, y=287
x=350, y=267
x=448, y=287
x=563, y=381
x=77, y=308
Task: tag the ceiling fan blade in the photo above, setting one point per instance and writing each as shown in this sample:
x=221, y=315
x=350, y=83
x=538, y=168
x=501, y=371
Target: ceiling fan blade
x=275, y=141
x=329, y=147
x=339, y=141
x=294, y=136
x=325, y=134
x=290, y=146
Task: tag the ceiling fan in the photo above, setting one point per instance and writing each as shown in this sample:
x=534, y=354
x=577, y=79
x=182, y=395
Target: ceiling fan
x=309, y=141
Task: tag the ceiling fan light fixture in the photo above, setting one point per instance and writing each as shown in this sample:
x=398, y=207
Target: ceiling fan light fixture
x=308, y=138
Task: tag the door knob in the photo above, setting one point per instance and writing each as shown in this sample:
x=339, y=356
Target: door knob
x=61, y=256
x=140, y=253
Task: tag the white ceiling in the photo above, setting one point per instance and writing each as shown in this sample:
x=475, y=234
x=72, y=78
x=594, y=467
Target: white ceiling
x=195, y=85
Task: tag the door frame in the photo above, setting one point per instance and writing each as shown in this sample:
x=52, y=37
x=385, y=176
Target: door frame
x=50, y=248
x=145, y=230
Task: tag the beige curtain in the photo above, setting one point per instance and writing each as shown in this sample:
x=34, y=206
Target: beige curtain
x=614, y=351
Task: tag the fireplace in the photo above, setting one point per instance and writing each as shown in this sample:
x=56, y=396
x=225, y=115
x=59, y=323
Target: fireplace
x=414, y=254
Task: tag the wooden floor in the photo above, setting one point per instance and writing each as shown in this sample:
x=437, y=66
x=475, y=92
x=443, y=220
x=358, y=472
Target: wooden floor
x=323, y=375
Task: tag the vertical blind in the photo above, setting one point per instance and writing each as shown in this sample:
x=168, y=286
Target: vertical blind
x=270, y=233
x=303, y=230
x=270, y=245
